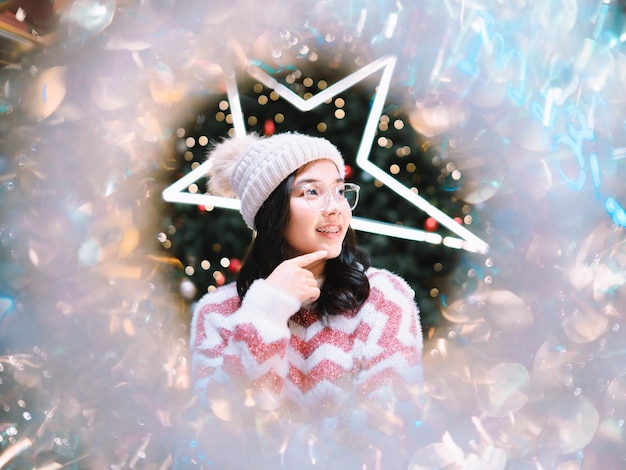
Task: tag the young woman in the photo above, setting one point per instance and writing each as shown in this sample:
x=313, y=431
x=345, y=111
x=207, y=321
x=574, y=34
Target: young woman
x=310, y=332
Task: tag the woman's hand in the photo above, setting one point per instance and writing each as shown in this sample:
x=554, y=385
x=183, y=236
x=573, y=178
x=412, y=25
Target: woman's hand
x=294, y=276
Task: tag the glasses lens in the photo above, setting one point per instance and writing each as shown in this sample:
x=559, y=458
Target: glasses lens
x=351, y=194
x=316, y=196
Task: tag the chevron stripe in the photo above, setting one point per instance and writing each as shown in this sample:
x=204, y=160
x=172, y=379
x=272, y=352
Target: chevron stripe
x=397, y=380
x=204, y=335
x=326, y=370
x=336, y=337
x=256, y=346
x=391, y=335
x=270, y=381
x=403, y=366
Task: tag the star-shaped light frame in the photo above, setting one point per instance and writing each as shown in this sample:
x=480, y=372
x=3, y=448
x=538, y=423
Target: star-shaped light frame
x=177, y=192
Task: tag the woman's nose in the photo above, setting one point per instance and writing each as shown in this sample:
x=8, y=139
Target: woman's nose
x=334, y=204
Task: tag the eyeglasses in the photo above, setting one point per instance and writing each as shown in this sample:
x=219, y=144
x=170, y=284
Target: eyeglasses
x=317, y=195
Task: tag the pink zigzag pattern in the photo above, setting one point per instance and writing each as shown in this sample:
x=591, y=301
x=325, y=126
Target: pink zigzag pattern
x=383, y=333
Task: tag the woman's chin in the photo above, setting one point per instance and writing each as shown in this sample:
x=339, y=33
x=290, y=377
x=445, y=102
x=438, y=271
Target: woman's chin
x=333, y=252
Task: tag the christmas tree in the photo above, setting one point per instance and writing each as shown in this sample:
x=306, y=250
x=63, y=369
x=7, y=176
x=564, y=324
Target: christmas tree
x=211, y=242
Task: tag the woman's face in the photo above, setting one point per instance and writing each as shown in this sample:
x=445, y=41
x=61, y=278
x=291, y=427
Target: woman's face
x=309, y=230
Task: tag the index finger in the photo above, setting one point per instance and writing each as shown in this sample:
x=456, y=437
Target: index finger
x=305, y=260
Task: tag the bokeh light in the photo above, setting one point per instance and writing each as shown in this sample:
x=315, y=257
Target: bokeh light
x=517, y=107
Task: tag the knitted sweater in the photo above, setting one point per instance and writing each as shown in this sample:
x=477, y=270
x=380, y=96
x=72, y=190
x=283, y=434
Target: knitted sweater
x=285, y=355
x=286, y=390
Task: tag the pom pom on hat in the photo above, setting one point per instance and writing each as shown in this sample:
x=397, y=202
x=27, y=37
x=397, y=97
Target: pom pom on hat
x=252, y=167
x=224, y=157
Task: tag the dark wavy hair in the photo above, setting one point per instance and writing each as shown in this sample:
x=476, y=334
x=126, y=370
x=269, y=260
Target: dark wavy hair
x=345, y=286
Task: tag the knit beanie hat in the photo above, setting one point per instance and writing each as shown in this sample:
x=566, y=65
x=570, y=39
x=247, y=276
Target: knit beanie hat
x=251, y=167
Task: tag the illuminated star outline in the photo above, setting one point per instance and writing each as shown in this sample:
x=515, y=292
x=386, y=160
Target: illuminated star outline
x=176, y=192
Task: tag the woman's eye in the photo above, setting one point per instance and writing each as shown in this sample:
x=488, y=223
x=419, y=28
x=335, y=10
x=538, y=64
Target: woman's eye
x=310, y=192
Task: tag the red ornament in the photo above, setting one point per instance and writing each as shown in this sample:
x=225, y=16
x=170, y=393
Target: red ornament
x=234, y=266
x=458, y=220
x=431, y=224
x=349, y=172
x=269, y=127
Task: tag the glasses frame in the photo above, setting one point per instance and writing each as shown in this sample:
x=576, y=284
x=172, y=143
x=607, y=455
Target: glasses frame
x=327, y=196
